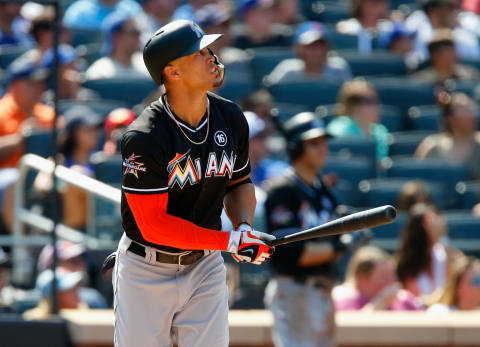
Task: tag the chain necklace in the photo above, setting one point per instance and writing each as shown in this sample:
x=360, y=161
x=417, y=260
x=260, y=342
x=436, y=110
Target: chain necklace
x=169, y=111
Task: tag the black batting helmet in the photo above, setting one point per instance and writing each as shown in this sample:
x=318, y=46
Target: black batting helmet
x=172, y=41
x=302, y=127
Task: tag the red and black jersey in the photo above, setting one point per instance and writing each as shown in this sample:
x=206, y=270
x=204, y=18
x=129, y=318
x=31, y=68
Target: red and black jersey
x=175, y=176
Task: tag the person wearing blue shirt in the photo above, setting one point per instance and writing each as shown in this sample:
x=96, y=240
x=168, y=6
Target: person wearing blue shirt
x=90, y=14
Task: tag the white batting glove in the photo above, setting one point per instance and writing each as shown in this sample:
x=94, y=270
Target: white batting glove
x=248, y=246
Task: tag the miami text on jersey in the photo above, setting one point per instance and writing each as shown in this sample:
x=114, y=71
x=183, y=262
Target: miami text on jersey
x=182, y=169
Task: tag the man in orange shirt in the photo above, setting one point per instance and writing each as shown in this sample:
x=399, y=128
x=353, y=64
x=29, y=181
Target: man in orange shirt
x=20, y=109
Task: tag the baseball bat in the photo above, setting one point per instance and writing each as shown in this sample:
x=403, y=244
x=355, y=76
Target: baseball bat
x=357, y=221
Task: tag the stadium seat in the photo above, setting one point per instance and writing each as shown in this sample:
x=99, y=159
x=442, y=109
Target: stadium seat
x=102, y=106
x=469, y=193
x=307, y=92
x=345, y=193
x=236, y=86
x=89, y=53
x=377, y=63
x=390, y=116
x=285, y=110
x=39, y=142
x=386, y=191
x=129, y=90
x=352, y=170
x=109, y=169
x=403, y=92
x=352, y=148
x=439, y=170
x=325, y=11
x=425, y=118
x=264, y=60
x=9, y=53
x=388, y=236
x=464, y=230
x=85, y=36
x=405, y=143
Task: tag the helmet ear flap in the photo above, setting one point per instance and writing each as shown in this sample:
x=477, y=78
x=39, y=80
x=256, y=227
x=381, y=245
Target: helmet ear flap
x=221, y=67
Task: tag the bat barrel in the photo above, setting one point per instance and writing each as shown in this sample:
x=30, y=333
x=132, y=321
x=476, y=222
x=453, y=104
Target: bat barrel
x=357, y=221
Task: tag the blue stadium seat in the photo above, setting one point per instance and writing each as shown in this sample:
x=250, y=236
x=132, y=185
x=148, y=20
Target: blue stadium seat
x=352, y=170
x=39, y=142
x=263, y=60
x=352, y=147
x=405, y=143
x=464, y=230
x=129, y=90
x=469, y=193
x=102, y=106
x=439, y=170
x=343, y=41
x=9, y=53
x=403, y=92
x=386, y=191
x=345, y=193
x=285, y=110
x=377, y=63
x=85, y=36
x=305, y=92
x=109, y=169
x=425, y=118
x=236, y=86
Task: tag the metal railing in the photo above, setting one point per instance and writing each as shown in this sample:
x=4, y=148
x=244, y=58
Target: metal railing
x=22, y=216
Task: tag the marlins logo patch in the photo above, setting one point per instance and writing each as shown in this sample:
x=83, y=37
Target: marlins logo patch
x=132, y=166
x=181, y=175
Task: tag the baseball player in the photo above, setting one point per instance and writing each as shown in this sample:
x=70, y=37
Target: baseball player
x=299, y=292
x=184, y=159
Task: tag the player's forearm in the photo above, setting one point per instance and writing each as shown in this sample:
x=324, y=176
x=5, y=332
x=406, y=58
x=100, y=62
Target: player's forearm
x=315, y=253
x=240, y=204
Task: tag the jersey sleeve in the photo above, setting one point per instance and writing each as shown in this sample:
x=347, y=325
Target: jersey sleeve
x=241, y=167
x=142, y=165
x=281, y=210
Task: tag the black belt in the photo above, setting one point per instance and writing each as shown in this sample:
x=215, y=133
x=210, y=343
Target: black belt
x=182, y=259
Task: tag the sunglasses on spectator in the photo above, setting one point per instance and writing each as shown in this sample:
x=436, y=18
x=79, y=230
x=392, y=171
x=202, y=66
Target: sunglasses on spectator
x=365, y=100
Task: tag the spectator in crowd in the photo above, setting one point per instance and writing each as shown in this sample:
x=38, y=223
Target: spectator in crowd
x=460, y=139
x=260, y=30
x=263, y=167
x=121, y=45
x=359, y=110
x=444, y=61
x=116, y=123
x=312, y=46
x=69, y=80
x=371, y=284
x=368, y=20
x=187, y=10
x=76, y=144
x=462, y=290
x=413, y=192
x=439, y=14
x=71, y=257
x=217, y=19
x=260, y=102
x=423, y=258
x=155, y=14
x=68, y=284
x=90, y=14
x=13, y=28
x=5, y=305
x=286, y=12
x=20, y=111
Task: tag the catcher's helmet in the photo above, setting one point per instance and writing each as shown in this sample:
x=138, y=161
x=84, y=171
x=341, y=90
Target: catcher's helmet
x=302, y=127
x=174, y=40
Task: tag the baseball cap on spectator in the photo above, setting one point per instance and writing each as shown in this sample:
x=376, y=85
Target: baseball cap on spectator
x=81, y=116
x=111, y=25
x=398, y=31
x=120, y=117
x=66, y=55
x=248, y=5
x=310, y=32
x=255, y=124
x=212, y=14
x=65, y=280
x=65, y=250
x=26, y=67
x=441, y=38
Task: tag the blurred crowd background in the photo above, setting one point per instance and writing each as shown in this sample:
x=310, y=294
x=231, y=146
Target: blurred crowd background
x=396, y=83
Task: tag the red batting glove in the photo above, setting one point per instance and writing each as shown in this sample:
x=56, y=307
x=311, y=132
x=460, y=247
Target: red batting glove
x=248, y=246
